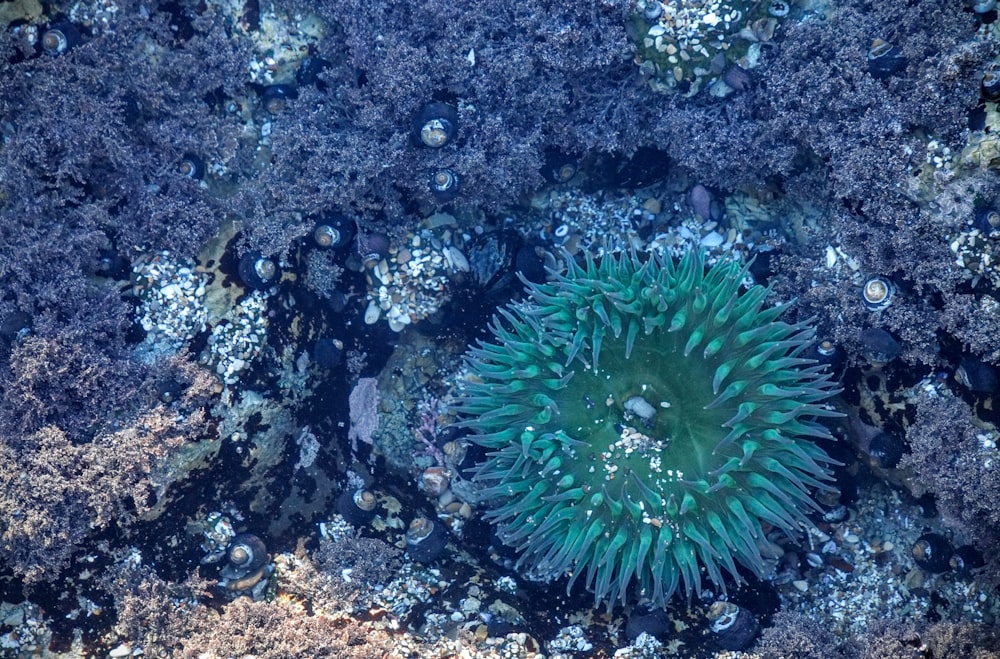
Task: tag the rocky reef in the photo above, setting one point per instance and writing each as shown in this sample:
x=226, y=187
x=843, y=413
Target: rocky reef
x=278, y=290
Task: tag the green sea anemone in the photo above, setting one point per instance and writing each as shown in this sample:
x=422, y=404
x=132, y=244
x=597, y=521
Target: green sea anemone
x=644, y=421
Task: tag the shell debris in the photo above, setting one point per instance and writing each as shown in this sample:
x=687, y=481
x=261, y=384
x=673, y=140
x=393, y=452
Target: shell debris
x=237, y=339
x=412, y=282
x=171, y=294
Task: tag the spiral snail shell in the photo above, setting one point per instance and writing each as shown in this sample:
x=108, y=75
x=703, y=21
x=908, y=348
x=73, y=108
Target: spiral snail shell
x=436, y=125
x=246, y=553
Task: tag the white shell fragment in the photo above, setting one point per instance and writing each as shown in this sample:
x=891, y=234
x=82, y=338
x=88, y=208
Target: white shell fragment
x=712, y=239
x=831, y=256
x=640, y=407
x=372, y=313
x=456, y=260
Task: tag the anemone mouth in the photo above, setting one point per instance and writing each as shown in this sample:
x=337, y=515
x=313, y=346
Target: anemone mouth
x=643, y=420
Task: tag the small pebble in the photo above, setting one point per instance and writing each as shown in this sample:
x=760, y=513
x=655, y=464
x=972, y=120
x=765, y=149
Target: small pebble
x=712, y=239
x=471, y=605
x=914, y=578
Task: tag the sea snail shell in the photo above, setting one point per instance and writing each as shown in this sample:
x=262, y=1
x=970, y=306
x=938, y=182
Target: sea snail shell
x=436, y=125
x=246, y=553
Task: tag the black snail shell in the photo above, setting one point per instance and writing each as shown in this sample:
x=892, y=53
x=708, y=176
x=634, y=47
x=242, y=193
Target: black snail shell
x=168, y=391
x=886, y=450
x=325, y=235
x=734, y=626
x=274, y=98
x=647, y=620
x=837, y=513
x=248, y=568
x=333, y=231
x=247, y=553
x=530, y=263
x=58, y=38
x=113, y=265
x=977, y=376
x=885, y=60
x=257, y=271
x=877, y=293
x=426, y=540
x=988, y=219
x=932, y=552
x=309, y=70
x=559, y=167
x=357, y=506
x=337, y=303
x=436, y=125
x=826, y=348
x=373, y=246
x=966, y=560
x=827, y=352
x=444, y=184
x=492, y=257
x=327, y=353
x=653, y=11
x=990, y=86
x=880, y=347
x=191, y=166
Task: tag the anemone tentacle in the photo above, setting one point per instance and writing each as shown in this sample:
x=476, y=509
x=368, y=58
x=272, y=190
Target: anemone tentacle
x=643, y=419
